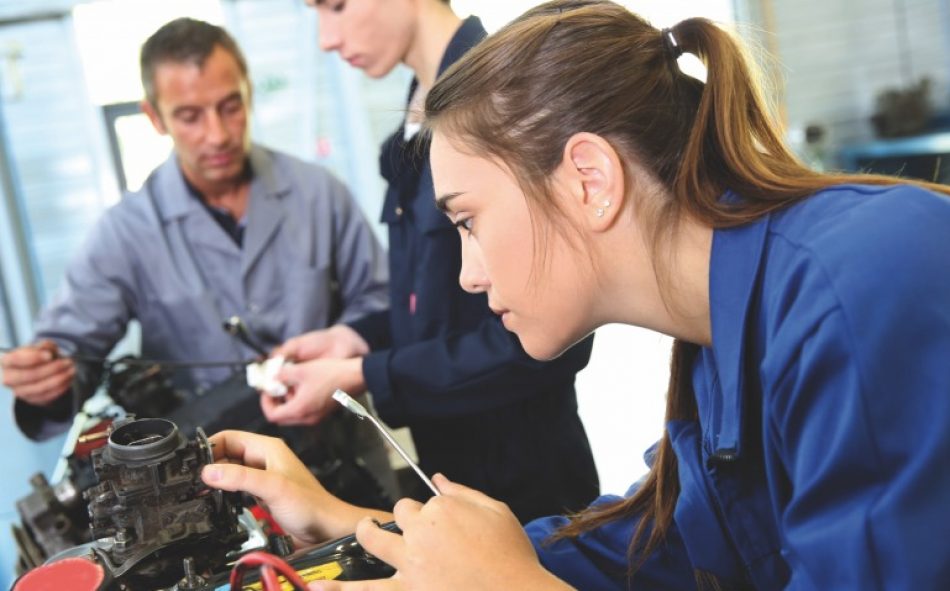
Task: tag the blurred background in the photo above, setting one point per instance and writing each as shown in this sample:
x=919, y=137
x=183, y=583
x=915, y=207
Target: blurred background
x=858, y=85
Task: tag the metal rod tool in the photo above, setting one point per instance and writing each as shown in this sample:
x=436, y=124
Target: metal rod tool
x=360, y=411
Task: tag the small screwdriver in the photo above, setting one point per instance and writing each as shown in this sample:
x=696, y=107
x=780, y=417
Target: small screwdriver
x=234, y=326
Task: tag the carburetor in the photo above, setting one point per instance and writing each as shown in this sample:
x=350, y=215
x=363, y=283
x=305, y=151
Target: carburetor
x=151, y=510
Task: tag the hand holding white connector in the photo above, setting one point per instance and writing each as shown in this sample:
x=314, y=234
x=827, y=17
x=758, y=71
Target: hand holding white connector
x=262, y=376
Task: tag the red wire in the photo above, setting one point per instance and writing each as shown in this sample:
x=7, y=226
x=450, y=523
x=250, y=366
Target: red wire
x=269, y=578
x=271, y=566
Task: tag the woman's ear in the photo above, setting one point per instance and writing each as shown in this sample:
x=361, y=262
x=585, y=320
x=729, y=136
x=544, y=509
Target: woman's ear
x=592, y=172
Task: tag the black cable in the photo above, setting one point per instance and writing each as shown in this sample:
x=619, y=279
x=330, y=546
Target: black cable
x=107, y=364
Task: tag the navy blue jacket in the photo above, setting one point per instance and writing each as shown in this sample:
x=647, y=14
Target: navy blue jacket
x=821, y=457
x=480, y=410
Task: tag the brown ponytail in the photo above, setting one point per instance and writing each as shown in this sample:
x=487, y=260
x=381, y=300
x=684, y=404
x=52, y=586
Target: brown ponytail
x=573, y=66
x=655, y=500
x=733, y=143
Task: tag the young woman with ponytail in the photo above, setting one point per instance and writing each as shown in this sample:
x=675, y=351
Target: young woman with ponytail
x=807, y=443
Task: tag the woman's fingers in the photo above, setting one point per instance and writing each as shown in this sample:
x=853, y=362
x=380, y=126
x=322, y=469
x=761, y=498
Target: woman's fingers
x=454, y=489
x=234, y=477
x=387, y=546
x=405, y=510
x=246, y=448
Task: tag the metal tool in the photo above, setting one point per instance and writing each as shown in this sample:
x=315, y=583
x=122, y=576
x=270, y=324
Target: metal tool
x=360, y=411
x=236, y=327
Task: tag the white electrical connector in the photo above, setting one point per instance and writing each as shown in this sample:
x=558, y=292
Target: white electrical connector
x=263, y=376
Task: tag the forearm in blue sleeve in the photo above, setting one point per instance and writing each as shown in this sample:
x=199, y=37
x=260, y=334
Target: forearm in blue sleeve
x=374, y=328
x=599, y=560
x=464, y=373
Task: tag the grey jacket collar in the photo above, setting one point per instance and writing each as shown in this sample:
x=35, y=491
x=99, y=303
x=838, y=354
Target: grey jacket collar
x=264, y=212
x=172, y=199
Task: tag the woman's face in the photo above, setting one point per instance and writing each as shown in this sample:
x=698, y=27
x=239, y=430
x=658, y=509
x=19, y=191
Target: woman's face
x=545, y=303
x=372, y=35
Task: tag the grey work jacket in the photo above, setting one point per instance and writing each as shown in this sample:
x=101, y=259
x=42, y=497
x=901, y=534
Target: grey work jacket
x=159, y=257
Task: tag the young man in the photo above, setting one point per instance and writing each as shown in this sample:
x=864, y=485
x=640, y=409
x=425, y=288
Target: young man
x=439, y=360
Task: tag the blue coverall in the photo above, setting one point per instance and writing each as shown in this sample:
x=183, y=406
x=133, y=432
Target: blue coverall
x=821, y=457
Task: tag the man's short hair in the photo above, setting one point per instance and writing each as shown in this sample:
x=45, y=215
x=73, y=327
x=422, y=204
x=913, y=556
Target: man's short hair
x=184, y=40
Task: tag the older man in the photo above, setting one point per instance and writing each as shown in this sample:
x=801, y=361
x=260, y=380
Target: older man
x=224, y=227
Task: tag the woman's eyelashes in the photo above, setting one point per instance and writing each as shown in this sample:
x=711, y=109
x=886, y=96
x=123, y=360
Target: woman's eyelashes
x=463, y=224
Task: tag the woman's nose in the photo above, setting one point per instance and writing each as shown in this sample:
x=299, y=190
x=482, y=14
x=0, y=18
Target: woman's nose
x=472, y=277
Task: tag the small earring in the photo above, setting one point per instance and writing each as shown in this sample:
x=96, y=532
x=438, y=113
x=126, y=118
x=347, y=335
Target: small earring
x=607, y=203
x=599, y=212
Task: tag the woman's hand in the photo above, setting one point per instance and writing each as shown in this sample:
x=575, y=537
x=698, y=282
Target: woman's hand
x=267, y=469
x=460, y=540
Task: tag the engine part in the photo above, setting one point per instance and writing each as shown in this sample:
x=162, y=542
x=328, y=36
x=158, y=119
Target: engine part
x=142, y=390
x=75, y=574
x=151, y=510
x=158, y=527
x=53, y=519
x=343, y=559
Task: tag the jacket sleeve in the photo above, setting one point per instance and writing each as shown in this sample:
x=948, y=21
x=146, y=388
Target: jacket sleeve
x=359, y=259
x=463, y=373
x=88, y=315
x=599, y=560
x=859, y=409
x=375, y=328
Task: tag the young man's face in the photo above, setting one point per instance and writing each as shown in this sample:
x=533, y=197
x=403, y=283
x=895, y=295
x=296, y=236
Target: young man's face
x=205, y=112
x=372, y=35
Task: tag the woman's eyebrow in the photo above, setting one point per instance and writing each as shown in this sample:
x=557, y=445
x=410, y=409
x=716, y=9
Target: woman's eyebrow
x=442, y=202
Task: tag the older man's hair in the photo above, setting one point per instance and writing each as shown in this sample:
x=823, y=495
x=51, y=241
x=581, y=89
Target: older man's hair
x=184, y=40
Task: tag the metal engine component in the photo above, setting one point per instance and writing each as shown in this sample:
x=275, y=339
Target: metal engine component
x=53, y=520
x=157, y=527
x=151, y=510
x=54, y=517
x=142, y=390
